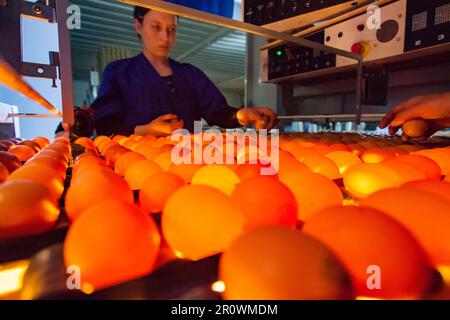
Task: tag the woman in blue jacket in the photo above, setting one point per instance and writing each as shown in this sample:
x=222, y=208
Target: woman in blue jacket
x=154, y=94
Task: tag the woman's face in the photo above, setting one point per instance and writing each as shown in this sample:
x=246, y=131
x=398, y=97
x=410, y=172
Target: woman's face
x=158, y=32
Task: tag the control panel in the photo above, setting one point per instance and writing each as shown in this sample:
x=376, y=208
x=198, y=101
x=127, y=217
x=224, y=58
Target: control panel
x=380, y=34
x=284, y=15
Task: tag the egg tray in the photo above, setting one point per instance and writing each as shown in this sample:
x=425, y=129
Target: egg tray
x=46, y=279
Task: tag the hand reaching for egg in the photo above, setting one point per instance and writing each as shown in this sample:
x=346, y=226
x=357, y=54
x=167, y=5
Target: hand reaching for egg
x=419, y=117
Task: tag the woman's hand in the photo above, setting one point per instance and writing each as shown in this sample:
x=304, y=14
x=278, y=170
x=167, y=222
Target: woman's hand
x=420, y=117
x=261, y=118
x=161, y=127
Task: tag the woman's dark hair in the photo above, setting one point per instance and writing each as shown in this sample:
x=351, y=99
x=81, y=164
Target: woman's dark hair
x=139, y=13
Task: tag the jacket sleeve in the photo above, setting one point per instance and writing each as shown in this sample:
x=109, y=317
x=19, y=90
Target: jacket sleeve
x=213, y=105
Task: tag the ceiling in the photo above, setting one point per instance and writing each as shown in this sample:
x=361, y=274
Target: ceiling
x=219, y=52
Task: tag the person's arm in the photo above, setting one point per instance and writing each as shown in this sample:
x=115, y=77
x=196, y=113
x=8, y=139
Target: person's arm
x=108, y=107
x=420, y=117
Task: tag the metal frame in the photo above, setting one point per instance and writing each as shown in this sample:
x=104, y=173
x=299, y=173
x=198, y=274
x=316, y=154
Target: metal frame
x=260, y=31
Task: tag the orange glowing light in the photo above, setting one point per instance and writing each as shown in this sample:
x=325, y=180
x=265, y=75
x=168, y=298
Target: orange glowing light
x=94, y=186
x=353, y=234
x=147, y=151
x=26, y=207
x=405, y=171
x=185, y=171
x=100, y=139
x=42, y=141
x=376, y=155
x=125, y=161
x=247, y=171
x=275, y=263
x=313, y=192
x=424, y=214
x=278, y=209
x=366, y=178
x=300, y=153
x=164, y=160
x=441, y=156
x=323, y=166
x=112, y=242
x=344, y=160
x=216, y=176
x=85, y=142
x=438, y=188
x=56, y=164
x=139, y=172
x=43, y=175
x=157, y=189
x=113, y=153
x=430, y=168
x=200, y=221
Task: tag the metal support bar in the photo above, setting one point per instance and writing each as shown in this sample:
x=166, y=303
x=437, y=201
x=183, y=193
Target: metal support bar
x=38, y=10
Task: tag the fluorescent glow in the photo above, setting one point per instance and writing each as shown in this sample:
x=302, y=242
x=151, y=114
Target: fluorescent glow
x=11, y=276
x=218, y=286
x=445, y=273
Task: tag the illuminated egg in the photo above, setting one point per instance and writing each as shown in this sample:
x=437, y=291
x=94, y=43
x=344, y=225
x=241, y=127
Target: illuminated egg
x=300, y=153
x=26, y=208
x=125, y=161
x=100, y=139
x=424, y=214
x=157, y=189
x=112, y=242
x=275, y=263
x=303, y=143
x=438, y=188
x=323, y=166
x=42, y=141
x=33, y=145
x=313, y=192
x=322, y=148
x=357, y=149
x=130, y=144
x=340, y=147
x=118, y=138
x=344, y=160
x=415, y=128
x=4, y=173
x=185, y=171
x=430, y=168
x=288, y=145
x=405, y=171
x=376, y=250
x=136, y=137
x=42, y=174
x=247, y=171
x=398, y=151
x=167, y=147
x=56, y=164
x=85, y=142
x=139, y=172
x=113, y=153
x=93, y=187
x=147, y=151
x=366, y=178
x=409, y=148
x=441, y=156
x=148, y=139
x=81, y=170
x=54, y=154
x=287, y=165
x=10, y=161
x=216, y=176
x=164, y=160
x=22, y=152
x=200, y=221
x=249, y=153
x=279, y=207
x=105, y=145
x=377, y=155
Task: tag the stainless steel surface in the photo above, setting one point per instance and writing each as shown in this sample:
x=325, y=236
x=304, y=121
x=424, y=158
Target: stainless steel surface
x=32, y=115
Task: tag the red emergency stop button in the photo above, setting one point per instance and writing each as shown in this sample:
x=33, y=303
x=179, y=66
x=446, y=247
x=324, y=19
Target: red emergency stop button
x=361, y=47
